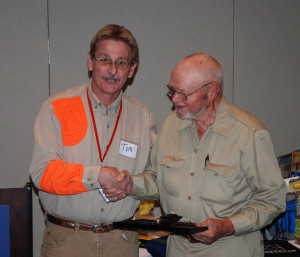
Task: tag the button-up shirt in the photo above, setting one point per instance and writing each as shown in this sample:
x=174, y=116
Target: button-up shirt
x=65, y=162
x=231, y=172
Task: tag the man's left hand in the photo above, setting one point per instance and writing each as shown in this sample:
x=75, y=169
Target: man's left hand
x=217, y=228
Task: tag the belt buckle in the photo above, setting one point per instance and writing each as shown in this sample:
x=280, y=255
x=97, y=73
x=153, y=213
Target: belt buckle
x=100, y=226
x=69, y=224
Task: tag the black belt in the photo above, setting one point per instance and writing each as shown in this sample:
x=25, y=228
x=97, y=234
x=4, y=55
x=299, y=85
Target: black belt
x=98, y=228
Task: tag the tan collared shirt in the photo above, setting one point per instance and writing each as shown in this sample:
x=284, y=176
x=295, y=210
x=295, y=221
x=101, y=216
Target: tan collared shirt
x=136, y=126
x=231, y=172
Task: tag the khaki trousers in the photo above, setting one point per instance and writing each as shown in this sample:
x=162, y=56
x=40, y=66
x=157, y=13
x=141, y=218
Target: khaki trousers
x=64, y=242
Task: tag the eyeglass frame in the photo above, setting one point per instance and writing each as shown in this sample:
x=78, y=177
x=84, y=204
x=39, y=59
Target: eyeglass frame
x=185, y=96
x=129, y=63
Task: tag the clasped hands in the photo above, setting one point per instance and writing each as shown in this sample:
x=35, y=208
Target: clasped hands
x=115, y=185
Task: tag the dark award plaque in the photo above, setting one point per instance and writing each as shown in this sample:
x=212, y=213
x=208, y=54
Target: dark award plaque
x=164, y=223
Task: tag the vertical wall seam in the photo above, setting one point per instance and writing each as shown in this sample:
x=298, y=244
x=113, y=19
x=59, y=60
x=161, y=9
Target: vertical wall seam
x=233, y=31
x=48, y=28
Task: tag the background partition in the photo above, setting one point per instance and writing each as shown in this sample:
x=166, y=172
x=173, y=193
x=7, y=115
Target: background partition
x=19, y=202
x=44, y=46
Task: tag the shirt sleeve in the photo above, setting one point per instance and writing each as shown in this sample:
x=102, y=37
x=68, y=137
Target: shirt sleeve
x=145, y=184
x=48, y=170
x=263, y=176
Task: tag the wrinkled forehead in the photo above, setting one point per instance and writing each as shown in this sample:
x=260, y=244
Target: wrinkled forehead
x=187, y=75
x=196, y=71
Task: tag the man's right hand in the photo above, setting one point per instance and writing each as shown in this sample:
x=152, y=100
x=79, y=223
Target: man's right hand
x=115, y=185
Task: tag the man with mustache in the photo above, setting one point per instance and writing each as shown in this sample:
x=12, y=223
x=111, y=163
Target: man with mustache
x=77, y=134
x=213, y=164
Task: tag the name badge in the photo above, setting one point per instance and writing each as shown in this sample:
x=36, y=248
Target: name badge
x=128, y=149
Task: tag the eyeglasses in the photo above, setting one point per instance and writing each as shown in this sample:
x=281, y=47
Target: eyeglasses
x=182, y=96
x=105, y=62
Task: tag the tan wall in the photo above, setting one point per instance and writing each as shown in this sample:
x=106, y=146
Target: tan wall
x=257, y=43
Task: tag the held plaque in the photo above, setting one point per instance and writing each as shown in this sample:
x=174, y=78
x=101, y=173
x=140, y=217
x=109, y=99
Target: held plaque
x=167, y=223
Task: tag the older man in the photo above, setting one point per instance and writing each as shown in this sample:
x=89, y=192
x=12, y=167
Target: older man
x=76, y=133
x=214, y=164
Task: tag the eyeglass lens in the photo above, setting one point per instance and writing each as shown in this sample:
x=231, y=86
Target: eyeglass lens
x=173, y=91
x=120, y=64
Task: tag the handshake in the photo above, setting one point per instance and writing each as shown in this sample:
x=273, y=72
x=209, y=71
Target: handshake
x=115, y=185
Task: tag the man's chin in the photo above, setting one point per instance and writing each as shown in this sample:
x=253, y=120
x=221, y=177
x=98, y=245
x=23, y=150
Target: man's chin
x=185, y=116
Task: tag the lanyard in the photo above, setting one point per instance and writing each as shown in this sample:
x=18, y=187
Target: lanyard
x=95, y=128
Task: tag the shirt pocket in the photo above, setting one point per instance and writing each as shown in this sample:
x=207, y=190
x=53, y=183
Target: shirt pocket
x=172, y=171
x=217, y=183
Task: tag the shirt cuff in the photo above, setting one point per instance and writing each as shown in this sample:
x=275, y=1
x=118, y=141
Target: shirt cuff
x=90, y=178
x=241, y=224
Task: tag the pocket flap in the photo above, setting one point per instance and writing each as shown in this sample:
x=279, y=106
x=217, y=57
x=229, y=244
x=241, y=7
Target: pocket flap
x=222, y=170
x=172, y=162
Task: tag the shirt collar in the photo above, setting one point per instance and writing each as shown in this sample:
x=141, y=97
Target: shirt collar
x=221, y=124
x=186, y=124
x=113, y=107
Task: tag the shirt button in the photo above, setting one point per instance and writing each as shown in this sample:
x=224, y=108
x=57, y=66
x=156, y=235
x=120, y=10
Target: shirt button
x=195, y=150
x=189, y=198
x=192, y=174
x=92, y=184
x=107, y=126
x=102, y=210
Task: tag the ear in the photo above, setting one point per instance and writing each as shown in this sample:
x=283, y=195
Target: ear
x=90, y=62
x=213, y=92
x=132, y=69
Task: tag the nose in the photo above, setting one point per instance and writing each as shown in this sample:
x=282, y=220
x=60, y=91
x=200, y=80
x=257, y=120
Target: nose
x=113, y=68
x=176, y=98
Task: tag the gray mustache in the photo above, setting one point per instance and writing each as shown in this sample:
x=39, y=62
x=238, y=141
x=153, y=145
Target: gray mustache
x=108, y=76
